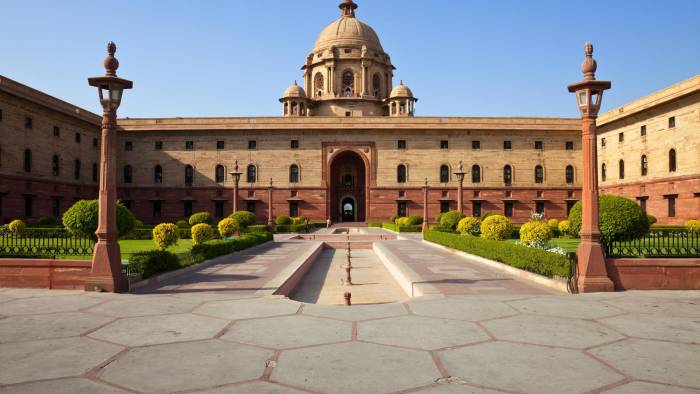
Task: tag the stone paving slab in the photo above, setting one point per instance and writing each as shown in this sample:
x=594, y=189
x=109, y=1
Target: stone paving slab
x=63, y=386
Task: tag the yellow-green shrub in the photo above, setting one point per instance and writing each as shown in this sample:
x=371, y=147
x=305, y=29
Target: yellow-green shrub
x=202, y=233
x=403, y=221
x=166, y=235
x=228, y=227
x=553, y=224
x=564, y=227
x=469, y=225
x=693, y=226
x=535, y=233
x=299, y=220
x=17, y=226
x=496, y=227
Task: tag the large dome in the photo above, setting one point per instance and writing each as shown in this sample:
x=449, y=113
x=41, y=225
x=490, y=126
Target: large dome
x=348, y=30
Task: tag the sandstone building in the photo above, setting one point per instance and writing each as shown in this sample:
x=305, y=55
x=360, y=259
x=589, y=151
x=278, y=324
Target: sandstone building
x=348, y=147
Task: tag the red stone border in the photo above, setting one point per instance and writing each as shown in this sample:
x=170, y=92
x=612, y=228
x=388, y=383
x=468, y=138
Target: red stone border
x=49, y=273
x=654, y=274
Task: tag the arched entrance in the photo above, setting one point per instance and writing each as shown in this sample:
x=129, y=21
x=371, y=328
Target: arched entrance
x=347, y=185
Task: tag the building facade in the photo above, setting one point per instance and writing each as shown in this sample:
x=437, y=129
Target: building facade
x=348, y=147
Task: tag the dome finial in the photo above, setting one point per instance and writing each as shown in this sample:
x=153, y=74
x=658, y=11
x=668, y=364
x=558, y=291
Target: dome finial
x=589, y=65
x=111, y=63
x=348, y=8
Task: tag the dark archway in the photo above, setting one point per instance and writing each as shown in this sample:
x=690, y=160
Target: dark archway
x=348, y=183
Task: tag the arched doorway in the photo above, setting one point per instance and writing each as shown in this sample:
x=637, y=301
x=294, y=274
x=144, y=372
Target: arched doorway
x=347, y=185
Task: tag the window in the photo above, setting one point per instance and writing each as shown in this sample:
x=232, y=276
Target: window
x=444, y=144
x=252, y=145
x=444, y=173
x=158, y=174
x=643, y=130
x=401, y=144
x=603, y=172
x=95, y=172
x=158, y=145
x=508, y=175
x=189, y=145
x=476, y=145
x=507, y=145
x=219, y=209
x=569, y=207
x=127, y=174
x=189, y=175
x=569, y=175
x=28, y=206
x=55, y=166
x=476, y=174
x=476, y=209
x=156, y=209
x=377, y=85
x=621, y=137
x=28, y=122
x=671, y=122
x=187, y=209
x=95, y=143
x=220, y=174
x=293, y=173
x=569, y=145
x=672, y=207
x=645, y=165
x=76, y=169
x=643, y=204
x=220, y=145
x=401, y=209
x=348, y=114
x=293, y=209
x=622, y=169
x=27, y=160
x=56, y=131
x=77, y=138
x=401, y=173
x=508, y=209
x=539, y=145
x=539, y=174
x=250, y=206
x=127, y=204
x=672, y=160
x=318, y=84
x=251, y=173
x=348, y=84
x=602, y=142
x=294, y=144
x=56, y=207
x=539, y=207
x=128, y=146
x=444, y=206
x=0, y=119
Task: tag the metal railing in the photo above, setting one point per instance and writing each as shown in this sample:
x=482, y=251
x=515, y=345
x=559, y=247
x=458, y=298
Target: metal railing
x=661, y=243
x=44, y=244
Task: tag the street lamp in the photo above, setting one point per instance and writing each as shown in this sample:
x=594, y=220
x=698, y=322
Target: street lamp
x=106, y=273
x=425, y=206
x=270, y=221
x=592, y=271
x=236, y=174
x=460, y=186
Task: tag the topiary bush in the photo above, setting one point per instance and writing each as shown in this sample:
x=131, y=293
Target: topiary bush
x=81, y=218
x=154, y=262
x=451, y=219
x=564, y=227
x=200, y=218
x=283, y=220
x=403, y=221
x=621, y=219
x=415, y=220
x=469, y=226
x=17, y=226
x=47, y=220
x=535, y=233
x=393, y=219
x=299, y=220
x=693, y=226
x=202, y=233
x=244, y=218
x=554, y=225
x=228, y=227
x=496, y=228
x=489, y=214
x=182, y=224
x=166, y=235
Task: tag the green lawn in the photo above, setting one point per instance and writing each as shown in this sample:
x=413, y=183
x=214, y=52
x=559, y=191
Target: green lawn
x=129, y=247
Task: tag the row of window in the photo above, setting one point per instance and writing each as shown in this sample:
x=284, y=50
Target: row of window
x=56, y=166
x=476, y=145
x=477, y=176
x=644, y=166
x=29, y=125
x=642, y=131
x=220, y=145
x=219, y=174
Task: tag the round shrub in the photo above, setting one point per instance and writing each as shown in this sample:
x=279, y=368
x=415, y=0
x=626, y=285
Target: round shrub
x=489, y=214
x=438, y=218
x=652, y=219
x=81, y=218
x=299, y=220
x=693, y=226
x=47, y=220
x=182, y=224
x=451, y=219
x=202, y=233
x=166, y=235
x=496, y=227
x=283, y=220
x=535, y=233
x=228, y=227
x=17, y=226
x=469, y=226
x=564, y=227
x=402, y=222
x=244, y=218
x=554, y=225
x=415, y=220
x=621, y=219
x=393, y=219
x=200, y=218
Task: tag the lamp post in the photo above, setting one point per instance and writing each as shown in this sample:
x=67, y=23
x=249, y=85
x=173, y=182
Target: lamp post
x=592, y=272
x=270, y=223
x=106, y=273
x=425, y=206
x=460, y=179
x=236, y=174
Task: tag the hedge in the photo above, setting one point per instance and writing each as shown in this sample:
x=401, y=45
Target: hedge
x=290, y=228
x=146, y=233
x=219, y=247
x=528, y=259
x=403, y=229
x=374, y=224
x=257, y=228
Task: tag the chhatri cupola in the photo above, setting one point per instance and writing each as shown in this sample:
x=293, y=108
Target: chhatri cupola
x=348, y=74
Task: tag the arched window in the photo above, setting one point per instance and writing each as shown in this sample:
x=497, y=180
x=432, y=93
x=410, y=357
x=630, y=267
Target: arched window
x=27, y=160
x=55, y=165
x=672, y=160
x=128, y=172
x=251, y=173
x=508, y=175
x=76, y=169
x=569, y=175
x=476, y=174
x=377, y=85
x=293, y=173
x=603, y=172
x=318, y=84
x=645, y=165
x=189, y=175
x=622, y=169
x=220, y=176
x=444, y=173
x=348, y=84
x=158, y=174
x=401, y=173
x=286, y=108
x=393, y=108
x=539, y=174
x=95, y=172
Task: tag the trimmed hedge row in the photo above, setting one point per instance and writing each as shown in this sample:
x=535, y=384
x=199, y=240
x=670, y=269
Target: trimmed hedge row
x=528, y=259
x=403, y=229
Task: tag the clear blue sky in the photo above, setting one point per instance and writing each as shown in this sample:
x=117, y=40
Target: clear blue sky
x=461, y=58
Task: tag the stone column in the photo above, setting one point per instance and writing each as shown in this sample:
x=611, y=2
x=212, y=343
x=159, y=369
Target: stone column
x=270, y=221
x=425, y=206
x=460, y=187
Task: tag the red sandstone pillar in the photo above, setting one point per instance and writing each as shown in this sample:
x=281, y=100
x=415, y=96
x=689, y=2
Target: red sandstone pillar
x=425, y=206
x=460, y=187
x=270, y=221
x=236, y=178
